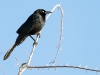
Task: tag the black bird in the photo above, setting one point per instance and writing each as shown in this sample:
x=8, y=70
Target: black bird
x=31, y=26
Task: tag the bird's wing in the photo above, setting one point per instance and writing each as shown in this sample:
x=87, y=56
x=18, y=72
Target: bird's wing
x=26, y=28
x=32, y=19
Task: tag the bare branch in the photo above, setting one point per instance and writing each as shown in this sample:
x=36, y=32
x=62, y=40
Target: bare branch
x=66, y=66
x=61, y=31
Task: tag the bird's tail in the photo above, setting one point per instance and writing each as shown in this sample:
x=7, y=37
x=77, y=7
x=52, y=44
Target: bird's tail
x=9, y=52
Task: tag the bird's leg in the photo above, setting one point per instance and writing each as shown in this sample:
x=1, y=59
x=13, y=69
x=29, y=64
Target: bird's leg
x=35, y=43
x=32, y=38
x=38, y=35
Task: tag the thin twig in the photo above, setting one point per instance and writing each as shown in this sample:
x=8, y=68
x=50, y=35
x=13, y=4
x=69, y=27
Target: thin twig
x=17, y=61
x=2, y=69
x=61, y=31
x=26, y=52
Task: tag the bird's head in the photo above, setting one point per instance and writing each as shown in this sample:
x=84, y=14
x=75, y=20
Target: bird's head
x=42, y=11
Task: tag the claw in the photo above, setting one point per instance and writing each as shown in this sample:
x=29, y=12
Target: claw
x=35, y=43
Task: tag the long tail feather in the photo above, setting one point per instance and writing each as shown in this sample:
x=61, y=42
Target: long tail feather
x=9, y=52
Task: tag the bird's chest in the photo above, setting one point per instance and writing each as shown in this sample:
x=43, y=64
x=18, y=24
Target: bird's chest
x=37, y=26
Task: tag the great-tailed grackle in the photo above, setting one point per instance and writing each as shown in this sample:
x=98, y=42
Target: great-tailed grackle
x=31, y=26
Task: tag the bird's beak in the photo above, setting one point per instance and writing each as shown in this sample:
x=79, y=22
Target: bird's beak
x=47, y=12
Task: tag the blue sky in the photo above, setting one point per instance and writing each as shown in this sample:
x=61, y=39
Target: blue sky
x=81, y=33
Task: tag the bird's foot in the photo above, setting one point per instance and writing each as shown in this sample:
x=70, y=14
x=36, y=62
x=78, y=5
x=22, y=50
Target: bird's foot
x=35, y=43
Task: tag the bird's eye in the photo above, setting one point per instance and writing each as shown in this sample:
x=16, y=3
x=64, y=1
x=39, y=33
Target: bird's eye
x=43, y=11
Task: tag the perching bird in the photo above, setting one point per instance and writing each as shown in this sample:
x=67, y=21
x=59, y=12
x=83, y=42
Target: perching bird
x=31, y=26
